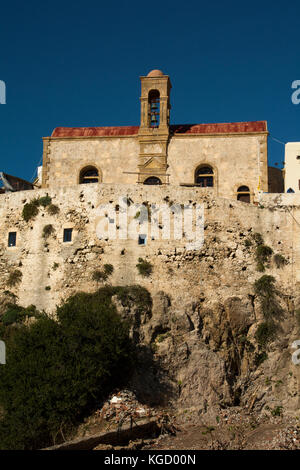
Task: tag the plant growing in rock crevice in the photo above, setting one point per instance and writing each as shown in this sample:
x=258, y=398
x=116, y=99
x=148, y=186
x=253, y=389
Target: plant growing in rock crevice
x=265, y=289
x=53, y=209
x=144, y=267
x=48, y=230
x=30, y=209
x=14, y=278
x=44, y=201
x=279, y=260
x=99, y=276
x=267, y=293
x=108, y=269
x=263, y=253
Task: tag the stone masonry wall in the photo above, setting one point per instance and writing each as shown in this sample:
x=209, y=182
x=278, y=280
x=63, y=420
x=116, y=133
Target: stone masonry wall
x=224, y=266
x=237, y=160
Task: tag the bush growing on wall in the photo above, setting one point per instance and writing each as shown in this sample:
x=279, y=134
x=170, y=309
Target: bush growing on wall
x=144, y=267
x=266, y=291
x=17, y=314
x=30, y=209
x=53, y=209
x=279, y=260
x=48, y=230
x=44, y=201
x=58, y=371
x=14, y=277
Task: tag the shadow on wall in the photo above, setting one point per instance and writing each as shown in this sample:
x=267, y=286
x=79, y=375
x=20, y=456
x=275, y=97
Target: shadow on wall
x=276, y=180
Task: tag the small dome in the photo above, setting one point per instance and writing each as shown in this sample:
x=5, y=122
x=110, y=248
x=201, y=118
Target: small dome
x=155, y=73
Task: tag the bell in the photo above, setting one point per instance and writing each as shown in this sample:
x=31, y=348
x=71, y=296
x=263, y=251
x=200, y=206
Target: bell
x=154, y=107
x=153, y=118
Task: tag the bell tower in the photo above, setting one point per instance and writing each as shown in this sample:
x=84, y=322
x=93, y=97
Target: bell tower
x=154, y=128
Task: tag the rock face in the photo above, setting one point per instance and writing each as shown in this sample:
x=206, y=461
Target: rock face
x=206, y=356
x=198, y=346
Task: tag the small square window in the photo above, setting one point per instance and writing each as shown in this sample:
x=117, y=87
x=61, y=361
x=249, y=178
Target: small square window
x=68, y=235
x=12, y=238
x=142, y=239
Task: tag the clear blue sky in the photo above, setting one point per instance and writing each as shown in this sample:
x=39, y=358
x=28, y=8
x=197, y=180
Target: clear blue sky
x=78, y=64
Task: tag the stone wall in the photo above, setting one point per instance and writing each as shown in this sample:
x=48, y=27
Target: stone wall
x=65, y=158
x=52, y=270
x=237, y=160
x=204, y=316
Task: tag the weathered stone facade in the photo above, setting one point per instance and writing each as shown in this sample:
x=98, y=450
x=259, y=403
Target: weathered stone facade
x=217, y=266
x=203, y=299
x=236, y=153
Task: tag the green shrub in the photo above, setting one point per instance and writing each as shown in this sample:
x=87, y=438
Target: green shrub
x=14, y=278
x=136, y=294
x=260, y=358
x=257, y=237
x=57, y=372
x=144, y=267
x=48, y=230
x=279, y=260
x=99, y=276
x=265, y=333
x=277, y=411
x=108, y=269
x=55, y=266
x=263, y=254
x=17, y=314
x=44, y=201
x=30, y=210
x=53, y=209
x=264, y=286
x=266, y=291
x=10, y=294
x=248, y=243
x=260, y=267
x=10, y=316
x=48, y=288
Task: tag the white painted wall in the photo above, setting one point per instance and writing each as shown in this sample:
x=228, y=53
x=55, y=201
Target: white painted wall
x=292, y=166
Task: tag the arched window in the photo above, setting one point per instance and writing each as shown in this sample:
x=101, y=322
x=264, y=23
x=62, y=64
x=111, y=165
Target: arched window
x=243, y=194
x=204, y=176
x=152, y=180
x=89, y=174
x=154, y=108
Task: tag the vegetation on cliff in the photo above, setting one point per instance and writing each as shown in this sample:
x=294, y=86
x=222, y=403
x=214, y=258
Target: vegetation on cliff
x=57, y=371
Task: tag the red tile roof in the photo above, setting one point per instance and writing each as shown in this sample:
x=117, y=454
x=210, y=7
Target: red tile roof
x=219, y=128
x=94, y=131
x=222, y=128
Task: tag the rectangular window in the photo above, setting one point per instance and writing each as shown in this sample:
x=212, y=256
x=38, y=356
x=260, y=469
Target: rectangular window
x=142, y=239
x=68, y=235
x=12, y=238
